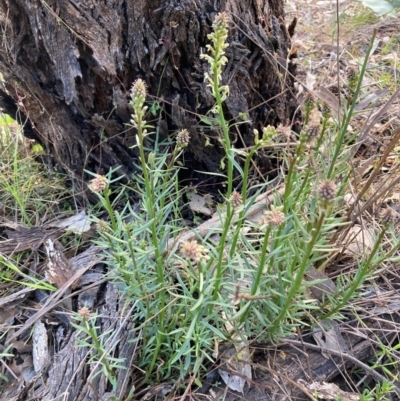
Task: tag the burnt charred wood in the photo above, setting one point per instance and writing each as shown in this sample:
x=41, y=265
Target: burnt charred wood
x=68, y=67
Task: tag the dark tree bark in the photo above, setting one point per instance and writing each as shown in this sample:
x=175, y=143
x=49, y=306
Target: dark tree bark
x=68, y=66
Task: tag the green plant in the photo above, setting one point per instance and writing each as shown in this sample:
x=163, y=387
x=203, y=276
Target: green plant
x=379, y=393
x=12, y=185
x=99, y=343
x=361, y=18
x=27, y=191
x=241, y=280
x=10, y=272
x=392, y=45
x=28, y=196
x=136, y=247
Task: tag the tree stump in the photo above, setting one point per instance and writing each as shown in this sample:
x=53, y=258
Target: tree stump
x=68, y=67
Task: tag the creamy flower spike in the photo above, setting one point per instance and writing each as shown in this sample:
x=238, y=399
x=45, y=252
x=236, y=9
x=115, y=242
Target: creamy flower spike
x=194, y=251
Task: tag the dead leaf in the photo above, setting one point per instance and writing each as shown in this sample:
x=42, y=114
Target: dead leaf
x=79, y=223
x=359, y=241
x=390, y=308
x=329, y=98
x=327, y=335
x=323, y=286
x=158, y=392
x=364, y=168
x=198, y=203
x=310, y=81
x=370, y=98
x=237, y=359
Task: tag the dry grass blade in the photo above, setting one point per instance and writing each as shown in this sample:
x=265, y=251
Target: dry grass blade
x=366, y=130
x=389, y=148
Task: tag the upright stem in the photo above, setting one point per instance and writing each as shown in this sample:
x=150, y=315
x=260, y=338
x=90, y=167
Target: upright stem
x=227, y=141
x=299, y=275
x=219, y=271
x=244, y=199
x=349, y=114
x=360, y=276
x=150, y=202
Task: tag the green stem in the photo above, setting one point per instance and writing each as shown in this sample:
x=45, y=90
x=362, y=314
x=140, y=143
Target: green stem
x=261, y=264
x=221, y=248
x=289, y=180
x=321, y=137
x=97, y=346
x=144, y=293
x=299, y=276
x=110, y=210
x=230, y=155
x=260, y=270
x=349, y=114
x=359, y=278
x=150, y=202
x=302, y=189
x=242, y=213
x=224, y=127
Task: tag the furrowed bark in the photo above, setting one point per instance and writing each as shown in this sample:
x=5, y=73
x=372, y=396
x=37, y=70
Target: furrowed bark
x=68, y=66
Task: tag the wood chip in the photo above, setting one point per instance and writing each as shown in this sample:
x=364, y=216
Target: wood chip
x=59, y=270
x=40, y=351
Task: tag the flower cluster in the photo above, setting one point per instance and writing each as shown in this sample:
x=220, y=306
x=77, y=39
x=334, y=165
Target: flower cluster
x=388, y=217
x=139, y=92
x=84, y=313
x=102, y=226
x=273, y=218
x=309, y=101
x=98, y=184
x=138, y=96
x=194, y=251
x=283, y=133
x=236, y=199
x=309, y=134
x=352, y=77
x=217, y=58
x=325, y=110
x=183, y=138
x=326, y=192
x=313, y=129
